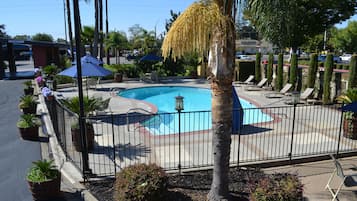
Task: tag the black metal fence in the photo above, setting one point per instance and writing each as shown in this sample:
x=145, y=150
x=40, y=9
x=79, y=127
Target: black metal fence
x=268, y=133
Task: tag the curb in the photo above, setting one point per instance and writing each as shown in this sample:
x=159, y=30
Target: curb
x=68, y=170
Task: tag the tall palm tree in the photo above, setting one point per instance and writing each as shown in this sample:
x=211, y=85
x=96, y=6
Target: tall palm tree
x=96, y=32
x=70, y=27
x=100, y=7
x=87, y=37
x=209, y=25
x=116, y=41
x=107, y=29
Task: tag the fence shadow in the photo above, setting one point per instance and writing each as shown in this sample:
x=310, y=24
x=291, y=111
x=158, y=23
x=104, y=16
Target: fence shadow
x=249, y=129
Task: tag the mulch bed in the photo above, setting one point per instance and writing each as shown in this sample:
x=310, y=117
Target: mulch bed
x=192, y=186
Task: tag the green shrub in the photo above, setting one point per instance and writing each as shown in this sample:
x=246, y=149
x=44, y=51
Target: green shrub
x=352, y=81
x=28, y=84
x=27, y=101
x=140, y=182
x=130, y=70
x=270, y=68
x=61, y=79
x=311, y=77
x=278, y=187
x=28, y=121
x=50, y=70
x=327, y=79
x=279, y=78
x=293, y=70
x=42, y=171
x=258, y=71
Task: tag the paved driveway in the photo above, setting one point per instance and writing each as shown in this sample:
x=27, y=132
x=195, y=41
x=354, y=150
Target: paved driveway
x=16, y=155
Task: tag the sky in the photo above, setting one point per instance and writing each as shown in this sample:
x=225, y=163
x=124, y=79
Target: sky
x=47, y=16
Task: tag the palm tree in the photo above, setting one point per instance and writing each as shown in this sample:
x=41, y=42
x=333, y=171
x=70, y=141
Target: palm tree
x=70, y=27
x=2, y=30
x=209, y=25
x=116, y=41
x=87, y=37
x=96, y=32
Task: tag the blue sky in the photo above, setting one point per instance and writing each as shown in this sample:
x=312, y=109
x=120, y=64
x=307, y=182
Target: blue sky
x=47, y=16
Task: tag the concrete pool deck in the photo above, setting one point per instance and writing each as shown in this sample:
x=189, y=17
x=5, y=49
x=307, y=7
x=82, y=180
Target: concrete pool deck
x=313, y=175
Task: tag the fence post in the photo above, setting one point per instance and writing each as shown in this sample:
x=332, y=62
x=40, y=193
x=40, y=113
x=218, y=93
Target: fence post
x=179, y=123
x=115, y=166
x=292, y=133
x=339, y=136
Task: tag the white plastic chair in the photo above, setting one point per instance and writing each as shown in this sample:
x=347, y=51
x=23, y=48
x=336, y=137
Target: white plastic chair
x=345, y=180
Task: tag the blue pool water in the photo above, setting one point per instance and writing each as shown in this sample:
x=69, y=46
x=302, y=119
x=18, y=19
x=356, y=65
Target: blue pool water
x=195, y=99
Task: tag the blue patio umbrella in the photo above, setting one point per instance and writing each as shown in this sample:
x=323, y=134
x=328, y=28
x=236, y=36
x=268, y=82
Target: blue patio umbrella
x=352, y=107
x=88, y=70
x=91, y=59
x=150, y=57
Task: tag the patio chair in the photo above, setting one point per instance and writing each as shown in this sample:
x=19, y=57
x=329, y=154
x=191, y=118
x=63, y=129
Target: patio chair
x=247, y=81
x=306, y=94
x=257, y=87
x=281, y=93
x=345, y=180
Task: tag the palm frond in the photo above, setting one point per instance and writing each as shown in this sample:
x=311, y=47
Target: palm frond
x=192, y=29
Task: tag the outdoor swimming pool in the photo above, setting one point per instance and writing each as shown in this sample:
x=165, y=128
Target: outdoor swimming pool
x=195, y=116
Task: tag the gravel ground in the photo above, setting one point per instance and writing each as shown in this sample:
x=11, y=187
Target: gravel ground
x=193, y=186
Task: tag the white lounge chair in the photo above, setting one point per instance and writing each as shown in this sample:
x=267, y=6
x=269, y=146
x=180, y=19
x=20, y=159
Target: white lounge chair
x=249, y=80
x=281, y=93
x=345, y=180
x=257, y=87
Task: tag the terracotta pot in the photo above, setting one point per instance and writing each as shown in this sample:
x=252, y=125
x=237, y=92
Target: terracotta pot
x=77, y=140
x=350, y=128
x=29, y=133
x=46, y=190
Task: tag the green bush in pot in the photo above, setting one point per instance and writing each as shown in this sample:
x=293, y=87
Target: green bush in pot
x=349, y=118
x=28, y=126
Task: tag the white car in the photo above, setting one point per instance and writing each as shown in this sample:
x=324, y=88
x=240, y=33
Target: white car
x=346, y=57
x=243, y=57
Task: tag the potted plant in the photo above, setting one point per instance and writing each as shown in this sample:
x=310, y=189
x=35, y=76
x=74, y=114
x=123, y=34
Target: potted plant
x=50, y=72
x=28, y=90
x=28, y=126
x=90, y=104
x=349, y=118
x=44, y=180
x=28, y=104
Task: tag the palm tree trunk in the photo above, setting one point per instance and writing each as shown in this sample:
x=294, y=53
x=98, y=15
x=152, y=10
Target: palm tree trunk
x=70, y=28
x=101, y=29
x=95, y=40
x=221, y=62
x=107, y=29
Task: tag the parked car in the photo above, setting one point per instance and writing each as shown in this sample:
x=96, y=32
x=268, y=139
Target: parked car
x=243, y=57
x=346, y=57
x=322, y=58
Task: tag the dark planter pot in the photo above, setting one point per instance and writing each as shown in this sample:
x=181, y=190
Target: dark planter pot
x=77, y=140
x=46, y=190
x=29, y=110
x=28, y=91
x=118, y=77
x=350, y=128
x=29, y=133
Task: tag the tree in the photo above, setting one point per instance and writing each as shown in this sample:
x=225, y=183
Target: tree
x=352, y=81
x=87, y=36
x=327, y=79
x=258, y=70
x=209, y=25
x=302, y=18
x=69, y=21
x=22, y=37
x=116, y=41
x=311, y=75
x=2, y=31
x=293, y=71
x=280, y=72
x=270, y=68
x=42, y=37
x=169, y=22
x=346, y=39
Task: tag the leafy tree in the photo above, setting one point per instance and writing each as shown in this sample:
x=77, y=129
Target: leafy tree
x=346, y=39
x=327, y=78
x=311, y=75
x=258, y=71
x=208, y=26
x=117, y=41
x=279, y=77
x=42, y=37
x=270, y=68
x=169, y=22
x=301, y=18
x=2, y=31
x=22, y=37
x=293, y=70
x=352, y=82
